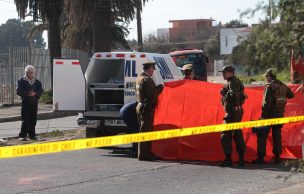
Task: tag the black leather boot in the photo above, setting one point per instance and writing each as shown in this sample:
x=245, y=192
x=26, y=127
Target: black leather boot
x=227, y=162
x=259, y=160
x=241, y=159
x=277, y=159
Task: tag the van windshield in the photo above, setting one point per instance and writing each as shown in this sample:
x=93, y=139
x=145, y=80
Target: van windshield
x=198, y=60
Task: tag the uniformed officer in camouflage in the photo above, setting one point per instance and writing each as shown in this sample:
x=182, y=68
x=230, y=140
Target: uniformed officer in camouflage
x=233, y=98
x=147, y=97
x=273, y=106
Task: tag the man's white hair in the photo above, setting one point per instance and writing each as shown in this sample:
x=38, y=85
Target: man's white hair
x=30, y=68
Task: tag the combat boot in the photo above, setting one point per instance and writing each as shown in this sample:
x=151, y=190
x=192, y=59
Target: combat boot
x=259, y=160
x=277, y=159
x=241, y=159
x=227, y=162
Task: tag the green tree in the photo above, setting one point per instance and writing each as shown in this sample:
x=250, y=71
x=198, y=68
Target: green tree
x=236, y=24
x=155, y=44
x=273, y=39
x=17, y=33
x=48, y=12
x=100, y=17
x=82, y=38
x=212, y=48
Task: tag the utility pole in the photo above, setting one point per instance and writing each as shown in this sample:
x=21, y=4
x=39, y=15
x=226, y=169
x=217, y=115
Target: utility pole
x=139, y=29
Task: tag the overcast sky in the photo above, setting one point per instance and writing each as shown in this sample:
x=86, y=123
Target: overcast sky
x=157, y=13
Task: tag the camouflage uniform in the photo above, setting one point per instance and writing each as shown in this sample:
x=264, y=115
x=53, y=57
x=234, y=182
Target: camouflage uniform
x=147, y=96
x=274, y=102
x=232, y=101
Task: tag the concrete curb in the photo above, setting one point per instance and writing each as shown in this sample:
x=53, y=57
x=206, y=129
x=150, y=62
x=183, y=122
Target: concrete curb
x=40, y=116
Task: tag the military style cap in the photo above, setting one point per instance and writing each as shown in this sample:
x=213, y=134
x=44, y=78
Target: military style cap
x=187, y=67
x=150, y=63
x=228, y=68
x=270, y=73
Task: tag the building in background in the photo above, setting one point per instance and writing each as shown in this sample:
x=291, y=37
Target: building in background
x=231, y=37
x=188, y=29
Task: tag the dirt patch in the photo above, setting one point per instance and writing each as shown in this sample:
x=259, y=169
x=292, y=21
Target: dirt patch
x=52, y=136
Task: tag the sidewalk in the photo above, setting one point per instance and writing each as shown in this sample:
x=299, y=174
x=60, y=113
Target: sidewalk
x=48, y=121
x=45, y=111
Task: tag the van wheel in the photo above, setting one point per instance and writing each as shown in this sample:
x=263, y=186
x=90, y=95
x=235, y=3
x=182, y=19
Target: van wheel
x=96, y=132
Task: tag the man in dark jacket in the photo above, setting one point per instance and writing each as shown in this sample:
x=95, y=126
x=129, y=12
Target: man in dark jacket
x=274, y=102
x=29, y=89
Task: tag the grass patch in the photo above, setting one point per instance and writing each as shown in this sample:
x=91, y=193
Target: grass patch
x=55, y=133
x=248, y=80
x=283, y=76
x=47, y=97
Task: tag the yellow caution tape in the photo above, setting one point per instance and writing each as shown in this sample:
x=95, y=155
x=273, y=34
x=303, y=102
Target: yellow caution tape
x=53, y=147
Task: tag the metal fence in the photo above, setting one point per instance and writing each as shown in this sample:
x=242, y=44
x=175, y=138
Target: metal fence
x=13, y=60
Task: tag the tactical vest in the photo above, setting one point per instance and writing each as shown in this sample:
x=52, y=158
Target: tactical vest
x=229, y=100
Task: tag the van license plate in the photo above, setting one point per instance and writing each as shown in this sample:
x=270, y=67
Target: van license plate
x=114, y=123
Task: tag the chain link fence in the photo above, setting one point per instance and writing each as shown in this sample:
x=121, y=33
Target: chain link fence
x=13, y=61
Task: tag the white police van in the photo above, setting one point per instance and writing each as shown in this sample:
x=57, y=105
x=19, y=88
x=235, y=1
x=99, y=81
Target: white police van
x=108, y=82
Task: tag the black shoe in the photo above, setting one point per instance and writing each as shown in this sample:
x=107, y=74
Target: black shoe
x=22, y=139
x=241, y=163
x=241, y=160
x=226, y=163
x=151, y=158
x=133, y=154
x=277, y=159
x=259, y=160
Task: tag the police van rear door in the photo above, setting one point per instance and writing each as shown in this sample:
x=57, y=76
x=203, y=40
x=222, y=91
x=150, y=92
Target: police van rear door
x=68, y=85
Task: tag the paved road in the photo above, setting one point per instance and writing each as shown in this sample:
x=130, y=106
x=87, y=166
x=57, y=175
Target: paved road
x=99, y=171
x=13, y=128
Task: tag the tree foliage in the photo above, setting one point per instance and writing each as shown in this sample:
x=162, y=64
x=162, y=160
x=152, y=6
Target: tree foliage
x=212, y=48
x=97, y=23
x=17, y=33
x=271, y=41
x=155, y=44
x=236, y=24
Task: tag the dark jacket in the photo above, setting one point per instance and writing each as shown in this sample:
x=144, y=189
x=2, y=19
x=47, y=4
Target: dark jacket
x=128, y=114
x=232, y=94
x=24, y=87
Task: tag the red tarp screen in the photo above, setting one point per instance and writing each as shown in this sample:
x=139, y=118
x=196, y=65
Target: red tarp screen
x=190, y=103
